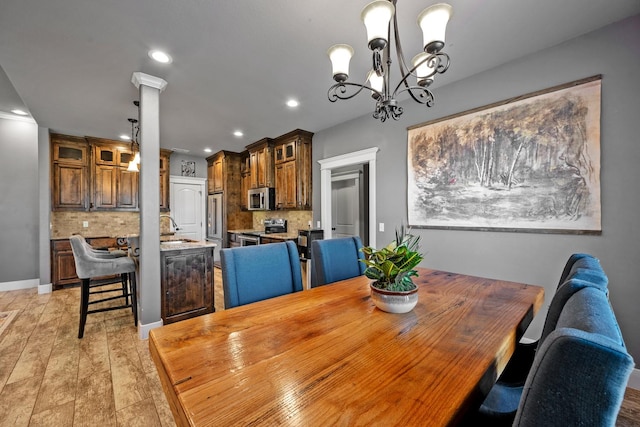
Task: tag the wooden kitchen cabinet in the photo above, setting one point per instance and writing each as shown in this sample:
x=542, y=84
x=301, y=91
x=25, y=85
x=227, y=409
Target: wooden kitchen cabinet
x=293, y=170
x=89, y=173
x=114, y=187
x=235, y=216
x=245, y=177
x=104, y=184
x=69, y=173
x=285, y=152
x=127, y=189
x=286, y=186
x=186, y=283
x=165, y=172
x=106, y=152
x=215, y=173
x=63, y=267
x=218, y=183
x=261, y=163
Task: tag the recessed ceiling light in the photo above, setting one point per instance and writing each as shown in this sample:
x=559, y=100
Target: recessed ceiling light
x=292, y=103
x=125, y=137
x=207, y=150
x=238, y=133
x=160, y=56
x=19, y=112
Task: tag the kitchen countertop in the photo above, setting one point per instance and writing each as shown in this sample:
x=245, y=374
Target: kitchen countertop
x=281, y=236
x=245, y=231
x=166, y=245
x=289, y=235
x=172, y=243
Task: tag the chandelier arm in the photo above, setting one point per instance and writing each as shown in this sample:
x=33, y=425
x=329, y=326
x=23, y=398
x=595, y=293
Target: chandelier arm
x=439, y=62
x=441, y=66
x=338, y=91
x=402, y=64
x=424, y=96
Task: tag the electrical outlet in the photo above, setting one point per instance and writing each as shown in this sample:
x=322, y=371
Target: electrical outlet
x=381, y=226
x=85, y=224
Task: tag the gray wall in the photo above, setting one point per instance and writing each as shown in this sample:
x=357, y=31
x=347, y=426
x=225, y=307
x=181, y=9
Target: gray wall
x=19, y=217
x=176, y=164
x=614, y=52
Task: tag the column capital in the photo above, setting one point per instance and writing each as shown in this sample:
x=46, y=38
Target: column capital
x=138, y=78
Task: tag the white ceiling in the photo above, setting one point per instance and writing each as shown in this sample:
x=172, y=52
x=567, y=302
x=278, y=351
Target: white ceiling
x=236, y=62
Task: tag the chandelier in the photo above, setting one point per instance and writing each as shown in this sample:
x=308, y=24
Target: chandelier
x=424, y=66
x=134, y=164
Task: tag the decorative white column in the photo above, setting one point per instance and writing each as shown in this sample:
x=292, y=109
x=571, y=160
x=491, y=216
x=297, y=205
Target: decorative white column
x=149, y=315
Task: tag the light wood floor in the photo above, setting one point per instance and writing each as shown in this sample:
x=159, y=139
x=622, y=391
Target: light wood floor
x=48, y=377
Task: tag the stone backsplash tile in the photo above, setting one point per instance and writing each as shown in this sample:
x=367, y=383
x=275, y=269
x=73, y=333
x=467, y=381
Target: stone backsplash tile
x=101, y=224
x=113, y=224
x=296, y=220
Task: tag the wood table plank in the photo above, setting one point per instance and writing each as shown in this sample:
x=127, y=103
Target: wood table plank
x=327, y=356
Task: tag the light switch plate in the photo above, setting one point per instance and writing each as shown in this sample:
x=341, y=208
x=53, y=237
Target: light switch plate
x=85, y=224
x=381, y=226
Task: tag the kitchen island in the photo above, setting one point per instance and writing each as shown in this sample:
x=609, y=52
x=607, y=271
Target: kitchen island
x=186, y=278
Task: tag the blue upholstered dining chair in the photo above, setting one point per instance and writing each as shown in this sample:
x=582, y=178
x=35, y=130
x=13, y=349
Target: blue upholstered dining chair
x=581, y=271
x=584, y=267
x=336, y=259
x=580, y=371
x=256, y=273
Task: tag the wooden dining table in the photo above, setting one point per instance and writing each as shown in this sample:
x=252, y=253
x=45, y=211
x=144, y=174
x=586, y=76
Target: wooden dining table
x=327, y=356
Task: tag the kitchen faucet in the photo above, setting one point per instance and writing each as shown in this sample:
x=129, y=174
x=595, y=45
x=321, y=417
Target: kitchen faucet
x=173, y=222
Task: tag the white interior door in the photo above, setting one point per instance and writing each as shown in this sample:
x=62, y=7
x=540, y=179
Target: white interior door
x=345, y=206
x=187, y=207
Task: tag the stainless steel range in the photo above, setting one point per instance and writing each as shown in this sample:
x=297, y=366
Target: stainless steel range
x=271, y=225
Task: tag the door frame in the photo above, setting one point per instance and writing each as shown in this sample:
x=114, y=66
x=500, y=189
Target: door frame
x=202, y=183
x=344, y=177
x=367, y=155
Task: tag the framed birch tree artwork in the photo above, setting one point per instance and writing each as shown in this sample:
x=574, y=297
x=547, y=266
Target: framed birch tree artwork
x=530, y=163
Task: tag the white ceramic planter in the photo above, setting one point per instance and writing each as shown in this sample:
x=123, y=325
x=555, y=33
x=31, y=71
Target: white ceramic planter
x=394, y=302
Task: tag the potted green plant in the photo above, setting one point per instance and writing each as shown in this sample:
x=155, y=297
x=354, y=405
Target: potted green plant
x=391, y=269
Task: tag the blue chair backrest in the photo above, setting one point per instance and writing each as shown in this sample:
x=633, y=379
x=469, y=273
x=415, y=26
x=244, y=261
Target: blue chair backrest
x=584, y=267
x=580, y=371
x=580, y=271
x=256, y=273
x=337, y=259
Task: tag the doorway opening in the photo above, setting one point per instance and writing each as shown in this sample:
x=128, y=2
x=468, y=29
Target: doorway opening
x=347, y=165
x=350, y=202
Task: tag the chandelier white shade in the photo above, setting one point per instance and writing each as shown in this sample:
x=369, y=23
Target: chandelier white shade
x=340, y=55
x=433, y=23
x=377, y=17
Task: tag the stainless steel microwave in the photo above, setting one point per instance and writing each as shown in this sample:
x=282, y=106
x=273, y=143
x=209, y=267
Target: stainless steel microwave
x=262, y=199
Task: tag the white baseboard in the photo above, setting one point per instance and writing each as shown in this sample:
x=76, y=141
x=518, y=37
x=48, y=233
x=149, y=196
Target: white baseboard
x=45, y=289
x=634, y=380
x=19, y=284
x=143, y=330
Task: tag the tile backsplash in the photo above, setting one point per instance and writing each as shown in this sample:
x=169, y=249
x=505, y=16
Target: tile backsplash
x=114, y=224
x=296, y=220
x=100, y=224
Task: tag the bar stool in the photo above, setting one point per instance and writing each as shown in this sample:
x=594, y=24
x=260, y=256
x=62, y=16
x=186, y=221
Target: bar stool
x=92, y=263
